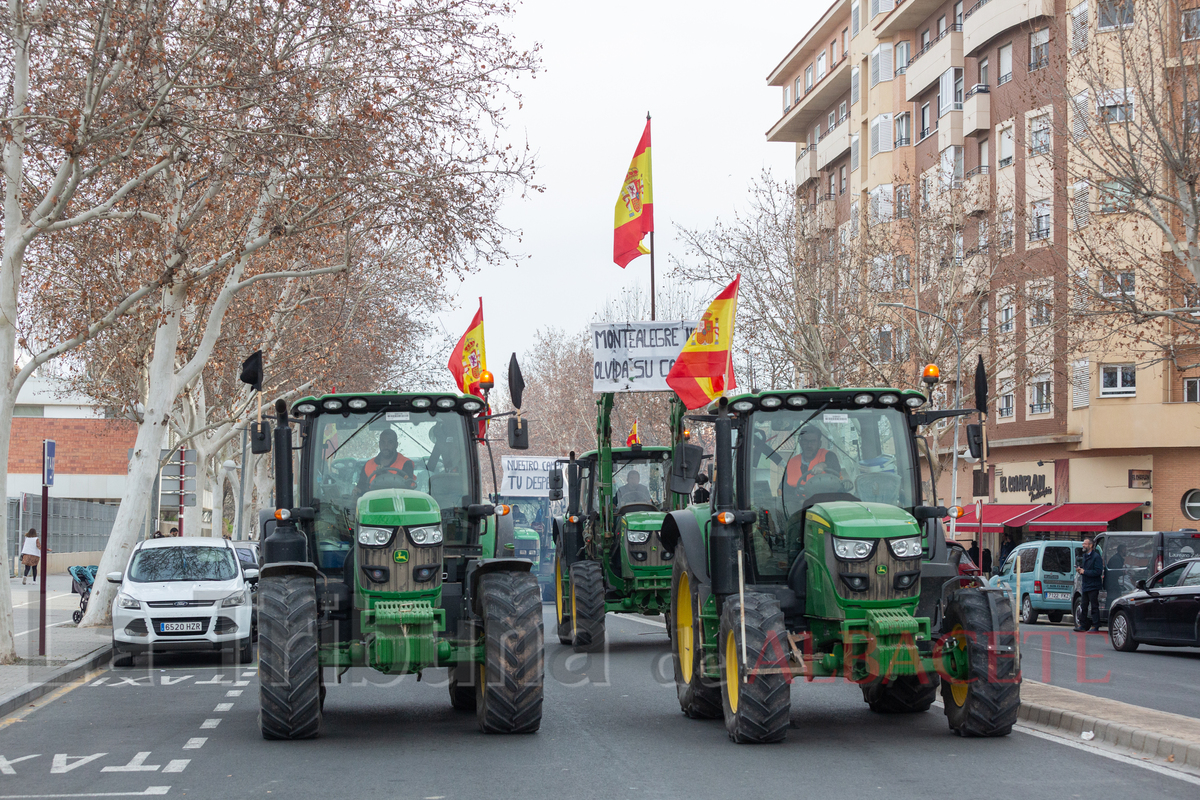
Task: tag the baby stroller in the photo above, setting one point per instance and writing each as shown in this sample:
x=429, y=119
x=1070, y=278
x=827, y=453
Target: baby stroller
x=82, y=580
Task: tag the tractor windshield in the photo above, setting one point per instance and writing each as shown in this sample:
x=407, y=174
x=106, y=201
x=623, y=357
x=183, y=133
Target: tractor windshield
x=639, y=482
x=801, y=457
x=360, y=452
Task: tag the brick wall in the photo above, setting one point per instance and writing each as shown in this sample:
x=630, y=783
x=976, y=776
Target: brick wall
x=84, y=446
x=1175, y=472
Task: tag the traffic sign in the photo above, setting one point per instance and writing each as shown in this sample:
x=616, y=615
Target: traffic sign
x=188, y=487
x=173, y=469
x=169, y=501
x=47, y=462
x=190, y=456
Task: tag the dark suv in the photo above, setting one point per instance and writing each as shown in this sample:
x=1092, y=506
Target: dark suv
x=1132, y=556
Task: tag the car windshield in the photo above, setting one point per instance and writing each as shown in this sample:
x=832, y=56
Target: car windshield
x=806, y=456
x=639, y=481
x=157, y=564
x=359, y=452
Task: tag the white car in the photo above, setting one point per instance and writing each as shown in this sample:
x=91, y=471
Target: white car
x=183, y=594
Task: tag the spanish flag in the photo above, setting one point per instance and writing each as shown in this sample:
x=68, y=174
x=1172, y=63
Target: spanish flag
x=469, y=360
x=633, y=437
x=634, y=216
x=704, y=369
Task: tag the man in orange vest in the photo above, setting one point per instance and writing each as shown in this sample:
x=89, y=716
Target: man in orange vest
x=390, y=468
x=811, y=460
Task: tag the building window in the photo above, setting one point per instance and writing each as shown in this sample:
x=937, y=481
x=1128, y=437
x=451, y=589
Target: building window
x=1117, y=284
x=23, y=410
x=952, y=167
x=903, y=201
x=941, y=26
x=1191, y=504
x=1006, y=147
x=854, y=220
x=1039, y=134
x=832, y=186
x=1118, y=380
x=950, y=91
x=832, y=120
x=787, y=98
x=1007, y=316
x=808, y=81
x=833, y=50
x=1005, y=65
x=853, y=20
x=1191, y=390
x=1081, y=204
x=1006, y=403
x=846, y=41
x=1041, y=220
x=1115, y=14
x=880, y=201
x=902, y=57
x=981, y=235
x=854, y=85
x=1114, y=198
x=1007, y=229
x=1041, y=310
x=1039, y=49
x=983, y=72
x=843, y=112
x=983, y=317
x=882, y=138
x=853, y=152
x=1079, y=27
x=983, y=156
x=925, y=131
x=903, y=271
x=958, y=14
x=1115, y=105
x=1039, y=395
x=842, y=178
x=903, y=129
x=821, y=65
x=1190, y=20
x=881, y=64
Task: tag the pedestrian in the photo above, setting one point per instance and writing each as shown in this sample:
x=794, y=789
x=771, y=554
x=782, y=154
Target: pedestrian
x=174, y=532
x=973, y=552
x=987, y=561
x=1006, y=547
x=1091, y=567
x=31, y=555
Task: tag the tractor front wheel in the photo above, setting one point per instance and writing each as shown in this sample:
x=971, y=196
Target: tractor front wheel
x=905, y=694
x=509, y=680
x=562, y=601
x=288, y=668
x=699, y=697
x=756, y=692
x=981, y=681
x=587, y=606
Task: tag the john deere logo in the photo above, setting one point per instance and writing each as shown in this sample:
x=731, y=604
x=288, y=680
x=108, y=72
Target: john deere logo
x=881, y=569
x=400, y=556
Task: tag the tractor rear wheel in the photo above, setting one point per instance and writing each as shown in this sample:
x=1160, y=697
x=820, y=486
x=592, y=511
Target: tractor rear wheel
x=462, y=686
x=562, y=602
x=757, y=706
x=509, y=680
x=905, y=694
x=699, y=697
x=587, y=606
x=980, y=689
x=288, y=668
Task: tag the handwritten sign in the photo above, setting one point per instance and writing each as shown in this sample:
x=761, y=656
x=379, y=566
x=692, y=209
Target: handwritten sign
x=636, y=356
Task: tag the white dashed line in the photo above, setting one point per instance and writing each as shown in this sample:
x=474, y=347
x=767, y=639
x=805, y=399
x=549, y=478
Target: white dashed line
x=209, y=724
x=250, y=674
x=241, y=683
x=234, y=693
x=177, y=765
x=195, y=743
x=644, y=621
x=222, y=707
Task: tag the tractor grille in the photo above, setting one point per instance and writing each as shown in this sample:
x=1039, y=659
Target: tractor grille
x=877, y=585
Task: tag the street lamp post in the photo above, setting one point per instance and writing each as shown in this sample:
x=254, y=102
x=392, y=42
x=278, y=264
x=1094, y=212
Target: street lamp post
x=957, y=400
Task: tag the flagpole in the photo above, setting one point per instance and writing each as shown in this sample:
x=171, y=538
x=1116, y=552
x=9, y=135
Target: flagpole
x=651, y=276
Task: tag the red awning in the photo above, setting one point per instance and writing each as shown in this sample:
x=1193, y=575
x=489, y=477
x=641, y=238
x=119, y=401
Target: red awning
x=1082, y=517
x=996, y=517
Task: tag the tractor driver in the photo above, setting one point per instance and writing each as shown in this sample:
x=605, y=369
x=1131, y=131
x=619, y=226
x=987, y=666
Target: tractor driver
x=388, y=468
x=633, y=491
x=812, y=459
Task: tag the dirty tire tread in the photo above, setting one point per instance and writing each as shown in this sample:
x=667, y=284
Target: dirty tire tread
x=992, y=705
x=288, y=668
x=587, y=580
x=514, y=650
x=699, y=697
x=765, y=701
x=904, y=694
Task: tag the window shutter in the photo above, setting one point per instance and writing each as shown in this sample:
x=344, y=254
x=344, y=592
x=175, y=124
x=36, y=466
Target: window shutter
x=854, y=152
x=1081, y=204
x=874, y=8
x=1079, y=115
x=886, y=5
x=874, y=67
x=1080, y=384
x=886, y=64
x=886, y=140
x=1079, y=299
x=854, y=85
x=875, y=137
x=1079, y=27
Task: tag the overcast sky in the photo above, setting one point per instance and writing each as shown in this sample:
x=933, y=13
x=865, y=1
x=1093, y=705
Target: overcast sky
x=700, y=69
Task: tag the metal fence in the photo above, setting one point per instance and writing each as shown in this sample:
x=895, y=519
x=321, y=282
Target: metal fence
x=75, y=526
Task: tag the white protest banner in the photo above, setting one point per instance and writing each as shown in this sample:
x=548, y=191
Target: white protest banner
x=527, y=476
x=636, y=356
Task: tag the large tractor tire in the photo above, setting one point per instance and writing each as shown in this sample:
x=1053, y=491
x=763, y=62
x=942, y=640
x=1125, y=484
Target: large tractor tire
x=462, y=687
x=587, y=606
x=757, y=706
x=981, y=690
x=288, y=668
x=699, y=697
x=905, y=694
x=562, y=603
x=509, y=682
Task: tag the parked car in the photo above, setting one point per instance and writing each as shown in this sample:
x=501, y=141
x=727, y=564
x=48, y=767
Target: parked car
x=1131, y=556
x=1164, y=610
x=248, y=555
x=1047, y=582
x=183, y=594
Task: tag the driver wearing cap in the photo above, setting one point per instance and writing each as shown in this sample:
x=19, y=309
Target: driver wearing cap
x=812, y=459
x=389, y=462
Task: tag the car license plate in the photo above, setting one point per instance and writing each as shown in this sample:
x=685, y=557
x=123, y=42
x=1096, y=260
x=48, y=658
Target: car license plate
x=1057, y=596
x=180, y=627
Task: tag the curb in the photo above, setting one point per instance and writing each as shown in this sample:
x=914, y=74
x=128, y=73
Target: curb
x=1141, y=741
x=60, y=677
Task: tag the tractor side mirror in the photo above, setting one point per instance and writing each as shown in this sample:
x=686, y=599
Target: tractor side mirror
x=684, y=466
x=518, y=433
x=556, y=484
x=260, y=437
x=975, y=440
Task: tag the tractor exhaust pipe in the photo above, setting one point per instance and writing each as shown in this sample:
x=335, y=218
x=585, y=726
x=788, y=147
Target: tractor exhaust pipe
x=285, y=543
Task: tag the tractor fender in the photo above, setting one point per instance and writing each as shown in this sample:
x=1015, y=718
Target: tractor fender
x=483, y=566
x=280, y=568
x=680, y=528
x=506, y=540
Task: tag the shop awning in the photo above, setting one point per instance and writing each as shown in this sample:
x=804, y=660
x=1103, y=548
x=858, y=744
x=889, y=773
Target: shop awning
x=997, y=516
x=1081, y=517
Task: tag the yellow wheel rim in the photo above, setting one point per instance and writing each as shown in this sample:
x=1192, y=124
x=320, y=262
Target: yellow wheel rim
x=574, y=616
x=681, y=613
x=558, y=598
x=482, y=678
x=731, y=671
x=959, y=691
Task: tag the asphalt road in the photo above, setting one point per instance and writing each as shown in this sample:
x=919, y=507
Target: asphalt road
x=612, y=730
x=1162, y=678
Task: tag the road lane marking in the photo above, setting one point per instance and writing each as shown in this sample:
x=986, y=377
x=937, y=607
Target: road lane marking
x=47, y=699
x=177, y=765
x=151, y=791
x=1099, y=751
x=250, y=674
x=50, y=598
x=51, y=625
x=134, y=681
x=222, y=707
x=209, y=724
x=215, y=680
x=241, y=683
x=644, y=621
x=195, y=743
x=136, y=764
x=65, y=763
x=234, y=693
x=6, y=764
x=167, y=680
x=101, y=681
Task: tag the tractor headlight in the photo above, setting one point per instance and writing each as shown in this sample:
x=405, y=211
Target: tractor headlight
x=375, y=537
x=638, y=537
x=236, y=599
x=908, y=547
x=425, y=535
x=853, y=549
x=125, y=601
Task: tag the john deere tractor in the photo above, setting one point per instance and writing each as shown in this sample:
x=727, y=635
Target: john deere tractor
x=608, y=556
x=531, y=537
x=821, y=553
x=387, y=559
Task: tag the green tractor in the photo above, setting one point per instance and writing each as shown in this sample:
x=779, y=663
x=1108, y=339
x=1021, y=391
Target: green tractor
x=821, y=554
x=608, y=553
x=532, y=539
x=390, y=560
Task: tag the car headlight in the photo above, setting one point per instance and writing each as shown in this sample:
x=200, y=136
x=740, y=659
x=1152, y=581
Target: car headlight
x=125, y=601
x=375, y=537
x=426, y=534
x=236, y=599
x=908, y=547
x=638, y=537
x=853, y=549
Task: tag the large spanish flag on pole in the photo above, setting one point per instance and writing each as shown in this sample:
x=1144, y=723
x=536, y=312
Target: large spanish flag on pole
x=634, y=216
x=469, y=359
x=704, y=369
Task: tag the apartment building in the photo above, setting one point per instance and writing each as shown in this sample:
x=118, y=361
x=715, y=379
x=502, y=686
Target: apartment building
x=897, y=105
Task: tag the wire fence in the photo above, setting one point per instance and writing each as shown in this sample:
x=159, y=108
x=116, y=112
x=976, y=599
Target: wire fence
x=74, y=526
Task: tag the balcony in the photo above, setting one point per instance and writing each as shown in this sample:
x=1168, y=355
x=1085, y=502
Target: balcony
x=977, y=110
x=950, y=129
x=987, y=19
x=806, y=167
x=906, y=16
x=977, y=191
x=795, y=124
x=834, y=143
x=928, y=63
